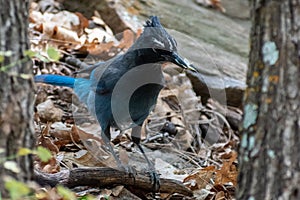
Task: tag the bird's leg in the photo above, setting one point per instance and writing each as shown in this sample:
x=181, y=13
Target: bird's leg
x=106, y=138
x=136, y=138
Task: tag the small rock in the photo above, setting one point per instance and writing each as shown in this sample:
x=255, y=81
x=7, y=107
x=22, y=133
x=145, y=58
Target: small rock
x=48, y=112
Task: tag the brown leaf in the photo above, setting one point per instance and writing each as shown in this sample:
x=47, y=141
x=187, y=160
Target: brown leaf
x=217, y=4
x=127, y=40
x=221, y=192
x=200, y=179
x=51, y=166
x=96, y=48
x=44, y=141
x=84, y=22
x=228, y=172
x=84, y=135
x=96, y=149
x=59, y=35
x=212, y=3
x=65, y=137
x=139, y=32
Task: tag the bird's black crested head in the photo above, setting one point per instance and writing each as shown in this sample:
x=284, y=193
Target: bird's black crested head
x=156, y=45
x=155, y=36
x=153, y=22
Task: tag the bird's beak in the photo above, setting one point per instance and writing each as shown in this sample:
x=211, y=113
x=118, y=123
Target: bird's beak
x=181, y=62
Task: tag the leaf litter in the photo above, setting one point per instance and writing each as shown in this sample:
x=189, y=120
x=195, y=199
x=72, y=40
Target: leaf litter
x=174, y=133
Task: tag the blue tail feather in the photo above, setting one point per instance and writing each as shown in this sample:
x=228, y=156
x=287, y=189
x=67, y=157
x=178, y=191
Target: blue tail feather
x=81, y=86
x=55, y=80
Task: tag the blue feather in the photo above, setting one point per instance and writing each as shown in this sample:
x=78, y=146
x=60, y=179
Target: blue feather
x=81, y=86
x=55, y=80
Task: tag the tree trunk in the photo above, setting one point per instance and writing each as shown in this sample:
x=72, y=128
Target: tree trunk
x=16, y=90
x=270, y=145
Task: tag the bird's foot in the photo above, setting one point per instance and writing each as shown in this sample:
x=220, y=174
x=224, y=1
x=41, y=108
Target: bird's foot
x=154, y=176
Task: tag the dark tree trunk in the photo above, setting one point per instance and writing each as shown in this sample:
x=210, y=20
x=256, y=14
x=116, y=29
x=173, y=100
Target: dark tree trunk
x=270, y=145
x=16, y=89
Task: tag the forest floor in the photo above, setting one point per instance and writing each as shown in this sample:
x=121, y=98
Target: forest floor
x=188, y=140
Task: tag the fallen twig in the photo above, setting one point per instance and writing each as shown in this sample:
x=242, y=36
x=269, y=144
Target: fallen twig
x=103, y=177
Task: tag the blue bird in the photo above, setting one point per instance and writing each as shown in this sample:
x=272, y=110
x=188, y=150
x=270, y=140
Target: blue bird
x=122, y=91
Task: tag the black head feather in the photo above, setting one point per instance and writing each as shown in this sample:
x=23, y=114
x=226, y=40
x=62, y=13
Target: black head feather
x=155, y=36
x=153, y=21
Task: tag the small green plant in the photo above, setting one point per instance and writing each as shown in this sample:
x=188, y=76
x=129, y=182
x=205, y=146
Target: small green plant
x=4, y=54
x=17, y=189
x=43, y=153
x=65, y=193
x=52, y=54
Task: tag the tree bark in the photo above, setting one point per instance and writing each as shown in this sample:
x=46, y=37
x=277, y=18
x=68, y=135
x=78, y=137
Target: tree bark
x=270, y=145
x=16, y=90
x=103, y=177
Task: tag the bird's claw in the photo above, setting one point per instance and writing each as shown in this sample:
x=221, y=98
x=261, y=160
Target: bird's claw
x=154, y=176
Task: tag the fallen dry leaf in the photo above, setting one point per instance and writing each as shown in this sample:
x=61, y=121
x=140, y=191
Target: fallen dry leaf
x=44, y=141
x=212, y=3
x=200, y=179
x=228, y=172
x=127, y=40
x=221, y=192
